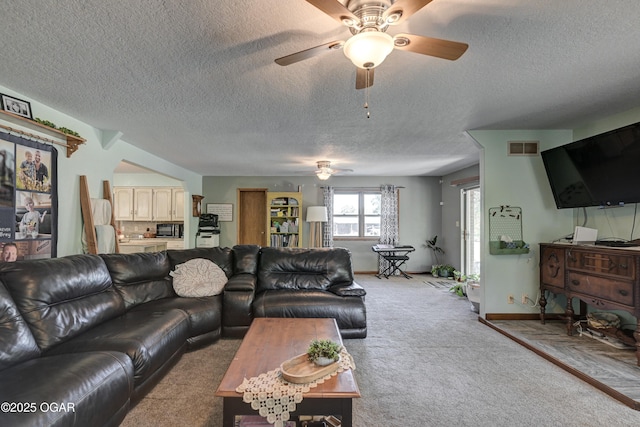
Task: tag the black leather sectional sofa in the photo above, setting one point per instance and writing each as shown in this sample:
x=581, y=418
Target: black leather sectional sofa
x=85, y=337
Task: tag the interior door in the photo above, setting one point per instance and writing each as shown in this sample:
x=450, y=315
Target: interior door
x=252, y=216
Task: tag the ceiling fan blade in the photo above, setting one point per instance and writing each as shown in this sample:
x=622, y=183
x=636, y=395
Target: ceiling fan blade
x=309, y=53
x=335, y=9
x=362, y=80
x=406, y=8
x=439, y=48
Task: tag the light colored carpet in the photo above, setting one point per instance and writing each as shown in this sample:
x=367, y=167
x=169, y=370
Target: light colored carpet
x=427, y=361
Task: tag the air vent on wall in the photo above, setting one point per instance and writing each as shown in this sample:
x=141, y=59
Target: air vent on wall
x=523, y=148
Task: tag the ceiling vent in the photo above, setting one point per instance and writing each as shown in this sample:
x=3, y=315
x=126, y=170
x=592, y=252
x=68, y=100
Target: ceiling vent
x=523, y=148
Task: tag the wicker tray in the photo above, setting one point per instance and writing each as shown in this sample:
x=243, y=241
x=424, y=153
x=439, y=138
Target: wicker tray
x=299, y=370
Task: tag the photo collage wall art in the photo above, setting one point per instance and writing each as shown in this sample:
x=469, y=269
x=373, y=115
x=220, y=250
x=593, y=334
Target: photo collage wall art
x=28, y=199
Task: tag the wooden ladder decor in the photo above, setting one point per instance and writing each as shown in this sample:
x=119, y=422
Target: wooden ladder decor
x=87, y=214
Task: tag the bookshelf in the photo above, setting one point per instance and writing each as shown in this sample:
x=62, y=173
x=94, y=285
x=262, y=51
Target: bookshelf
x=284, y=220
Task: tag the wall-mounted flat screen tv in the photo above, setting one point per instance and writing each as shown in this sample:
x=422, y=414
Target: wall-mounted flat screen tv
x=602, y=170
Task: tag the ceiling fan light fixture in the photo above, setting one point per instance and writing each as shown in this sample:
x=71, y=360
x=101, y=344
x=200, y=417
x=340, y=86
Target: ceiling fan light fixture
x=323, y=175
x=324, y=171
x=368, y=49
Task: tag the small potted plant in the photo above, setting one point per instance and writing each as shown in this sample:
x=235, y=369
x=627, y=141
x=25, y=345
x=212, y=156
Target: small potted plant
x=434, y=269
x=459, y=289
x=432, y=245
x=458, y=276
x=446, y=271
x=323, y=352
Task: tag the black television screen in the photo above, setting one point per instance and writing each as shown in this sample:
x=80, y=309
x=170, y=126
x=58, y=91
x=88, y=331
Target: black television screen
x=602, y=170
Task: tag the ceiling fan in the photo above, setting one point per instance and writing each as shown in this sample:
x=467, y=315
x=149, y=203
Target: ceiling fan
x=325, y=171
x=368, y=21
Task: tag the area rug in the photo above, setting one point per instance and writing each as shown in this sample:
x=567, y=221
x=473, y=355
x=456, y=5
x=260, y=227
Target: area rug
x=443, y=285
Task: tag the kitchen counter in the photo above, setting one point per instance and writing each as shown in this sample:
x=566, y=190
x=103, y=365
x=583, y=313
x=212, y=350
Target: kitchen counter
x=142, y=245
x=170, y=243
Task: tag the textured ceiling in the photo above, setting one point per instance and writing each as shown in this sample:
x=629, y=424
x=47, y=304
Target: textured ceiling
x=194, y=82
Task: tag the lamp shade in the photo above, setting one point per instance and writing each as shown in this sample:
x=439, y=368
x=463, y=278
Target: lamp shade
x=317, y=214
x=368, y=49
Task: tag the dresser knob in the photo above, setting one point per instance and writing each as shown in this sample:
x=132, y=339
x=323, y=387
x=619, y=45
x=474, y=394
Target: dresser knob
x=623, y=292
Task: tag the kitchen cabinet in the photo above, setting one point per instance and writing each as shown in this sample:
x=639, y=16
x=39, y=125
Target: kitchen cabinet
x=172, y=243
x=133, y=204
x=177, y=203
x=148, y=204
x=162, y=204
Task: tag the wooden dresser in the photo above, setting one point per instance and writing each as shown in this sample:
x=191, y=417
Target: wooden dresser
x=602, y=277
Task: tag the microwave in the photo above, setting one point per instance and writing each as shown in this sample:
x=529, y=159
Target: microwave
x=170, y=230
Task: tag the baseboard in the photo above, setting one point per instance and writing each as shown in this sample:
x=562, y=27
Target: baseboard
x=521, y=316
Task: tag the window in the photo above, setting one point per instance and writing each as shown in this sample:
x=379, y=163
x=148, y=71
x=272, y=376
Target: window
x=356, y=214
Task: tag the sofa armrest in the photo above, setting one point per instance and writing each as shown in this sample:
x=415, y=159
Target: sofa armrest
x=237, y=298
x=348, y=289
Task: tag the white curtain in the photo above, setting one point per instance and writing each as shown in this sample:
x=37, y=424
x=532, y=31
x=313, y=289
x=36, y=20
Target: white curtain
x=327, y=227
x=388, y=221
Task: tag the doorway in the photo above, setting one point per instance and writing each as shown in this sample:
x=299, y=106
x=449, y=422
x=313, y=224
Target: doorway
x=252, y=216
x=471, y=214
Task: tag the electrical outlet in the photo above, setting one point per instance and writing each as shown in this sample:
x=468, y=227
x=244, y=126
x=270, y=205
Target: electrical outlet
x=510, y=299
x=525, y=298
x=135, y=228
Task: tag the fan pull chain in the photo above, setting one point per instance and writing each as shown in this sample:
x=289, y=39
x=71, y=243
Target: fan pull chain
x=366, y=95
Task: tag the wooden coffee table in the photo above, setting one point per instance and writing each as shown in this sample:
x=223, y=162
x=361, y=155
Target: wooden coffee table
x=271, y=341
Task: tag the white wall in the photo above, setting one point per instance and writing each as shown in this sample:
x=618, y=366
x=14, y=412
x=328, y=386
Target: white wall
x=97, y=164
x=420, y=212
x=517, y=181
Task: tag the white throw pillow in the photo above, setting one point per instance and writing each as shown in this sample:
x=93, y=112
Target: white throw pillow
x=198, y=277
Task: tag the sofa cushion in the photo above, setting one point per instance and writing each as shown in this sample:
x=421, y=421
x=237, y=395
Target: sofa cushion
x=198, y=277
x=349, y=312
x=149, y=338
x=222, y=257
x=95, y=389
x=204, y=313
x=18, y=344
x=61, y=298
x=301, y=268
x=140, y=277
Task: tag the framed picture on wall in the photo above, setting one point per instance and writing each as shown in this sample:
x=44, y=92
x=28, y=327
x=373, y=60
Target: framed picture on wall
x=16, y=106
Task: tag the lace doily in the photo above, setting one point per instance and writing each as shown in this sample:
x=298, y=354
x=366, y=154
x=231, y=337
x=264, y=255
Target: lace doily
x=274, y=398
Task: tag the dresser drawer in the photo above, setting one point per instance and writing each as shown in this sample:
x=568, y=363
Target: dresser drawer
x=606, y=289
x=552, y=267
x=602, y=263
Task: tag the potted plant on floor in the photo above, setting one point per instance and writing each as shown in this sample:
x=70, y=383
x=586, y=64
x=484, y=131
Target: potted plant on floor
x=432, y=244
x=459, y=289
x=434, y=269
x=446, y=271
